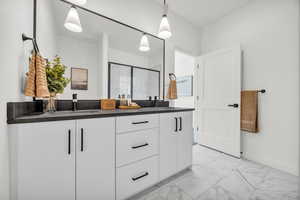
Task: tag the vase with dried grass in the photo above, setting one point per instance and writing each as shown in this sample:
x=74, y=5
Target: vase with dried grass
x=56, y=80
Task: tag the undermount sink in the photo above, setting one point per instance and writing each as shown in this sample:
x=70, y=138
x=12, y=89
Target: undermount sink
x=85, y=111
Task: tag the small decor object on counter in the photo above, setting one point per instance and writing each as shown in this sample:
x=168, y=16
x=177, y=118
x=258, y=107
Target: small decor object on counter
x=123, y=101
x=108, y=104
x=131, y=106
x=36, y=83
x=79, y=79
x=57, y=82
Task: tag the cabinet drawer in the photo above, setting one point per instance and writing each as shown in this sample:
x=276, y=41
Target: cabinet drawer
x=136, y=146
x=138, y=122
x=136, y=177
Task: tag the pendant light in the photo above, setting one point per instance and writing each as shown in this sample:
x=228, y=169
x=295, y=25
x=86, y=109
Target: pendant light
x=72, y=22
x=164, y=28
x=144, y=45
x=78, y=2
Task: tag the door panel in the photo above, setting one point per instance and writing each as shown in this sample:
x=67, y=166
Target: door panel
x=185, y=141
x=219, y=86
x=45, y=163
x=168, y=145
x=95, y=159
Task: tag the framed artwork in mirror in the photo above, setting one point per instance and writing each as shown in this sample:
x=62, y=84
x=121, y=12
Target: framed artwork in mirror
x=79, y=79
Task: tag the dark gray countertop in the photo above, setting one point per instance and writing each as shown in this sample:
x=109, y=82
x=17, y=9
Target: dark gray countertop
x=87, y=114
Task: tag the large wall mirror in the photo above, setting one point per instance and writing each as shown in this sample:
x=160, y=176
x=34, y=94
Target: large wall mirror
x=105, y=59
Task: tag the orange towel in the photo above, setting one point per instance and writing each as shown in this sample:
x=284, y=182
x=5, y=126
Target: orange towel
x=249, y=111
x=172, y=91
x=36, y=83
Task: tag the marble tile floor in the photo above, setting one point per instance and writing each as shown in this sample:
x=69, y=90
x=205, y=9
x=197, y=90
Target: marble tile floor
x=216, y=176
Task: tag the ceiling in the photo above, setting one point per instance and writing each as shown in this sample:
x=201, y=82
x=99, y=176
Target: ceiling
x=203, y=12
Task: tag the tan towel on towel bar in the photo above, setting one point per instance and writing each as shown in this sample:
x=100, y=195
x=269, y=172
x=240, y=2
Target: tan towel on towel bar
x=172, y=92
x=249, y=111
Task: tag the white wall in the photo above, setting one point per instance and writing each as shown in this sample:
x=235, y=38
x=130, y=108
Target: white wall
x=268, y=32
x=16, y=17
x=118, y=56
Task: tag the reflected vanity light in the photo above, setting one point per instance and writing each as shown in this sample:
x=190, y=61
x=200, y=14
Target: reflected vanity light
x=164, y=28
x=72, y=22
x=144, y=45
x=78, y=2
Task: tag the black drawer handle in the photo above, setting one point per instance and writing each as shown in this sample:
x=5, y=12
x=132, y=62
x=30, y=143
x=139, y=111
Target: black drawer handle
x=139, y=177
x=176, y=124
x=69, y=142
x=140, y=146
x=144, y=122
x=180, y=121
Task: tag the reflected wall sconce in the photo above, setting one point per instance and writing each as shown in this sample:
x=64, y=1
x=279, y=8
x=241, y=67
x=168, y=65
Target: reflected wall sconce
x=72, y=22
x=144, y=44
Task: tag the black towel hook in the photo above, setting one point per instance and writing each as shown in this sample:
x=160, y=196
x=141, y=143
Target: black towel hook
x=172, y=76
x=35, y=46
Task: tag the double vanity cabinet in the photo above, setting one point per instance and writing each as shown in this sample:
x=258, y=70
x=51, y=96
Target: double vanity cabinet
x=104, y=158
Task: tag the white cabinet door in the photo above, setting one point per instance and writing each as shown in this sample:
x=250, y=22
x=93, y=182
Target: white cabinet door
x=43, y=161
x=95, y=171
x=168, y=145
x=185, y=141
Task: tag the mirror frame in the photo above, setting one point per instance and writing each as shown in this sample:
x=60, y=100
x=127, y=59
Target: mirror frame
x=113, y=20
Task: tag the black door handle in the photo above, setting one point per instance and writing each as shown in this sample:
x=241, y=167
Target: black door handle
x=176, y=124
x=234, y=105
x=180, y=121
x=81, y=145
x=142, y=176
x=69, y=142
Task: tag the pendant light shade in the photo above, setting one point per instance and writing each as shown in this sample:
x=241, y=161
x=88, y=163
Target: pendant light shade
x=164, y=28
x=78, y=2
x=144, y=45
x=72, y=22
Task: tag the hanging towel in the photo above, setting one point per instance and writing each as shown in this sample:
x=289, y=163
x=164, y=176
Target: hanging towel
x=30, y=78
x=249, y=111
x=172, y=91
x=41, y=78
x=36, y=83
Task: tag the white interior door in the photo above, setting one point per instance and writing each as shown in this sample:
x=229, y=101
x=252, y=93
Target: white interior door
x=218, y=101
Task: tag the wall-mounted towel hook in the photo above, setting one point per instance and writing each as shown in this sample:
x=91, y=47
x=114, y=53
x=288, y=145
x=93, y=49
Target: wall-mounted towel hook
x=172, y=76
x=35, y=46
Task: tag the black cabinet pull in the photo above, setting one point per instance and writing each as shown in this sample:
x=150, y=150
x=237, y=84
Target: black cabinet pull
x=180, y=121
x=69, y=142
x=139, y=177
x=176, y=124
x=140, y=146
x=81, y=145
x=144, y=122
x=233, y=105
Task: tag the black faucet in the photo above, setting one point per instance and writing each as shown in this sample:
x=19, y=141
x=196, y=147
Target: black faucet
x=74, y=107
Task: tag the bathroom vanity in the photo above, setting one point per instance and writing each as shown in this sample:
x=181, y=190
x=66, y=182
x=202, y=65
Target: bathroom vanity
x=97, y=154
